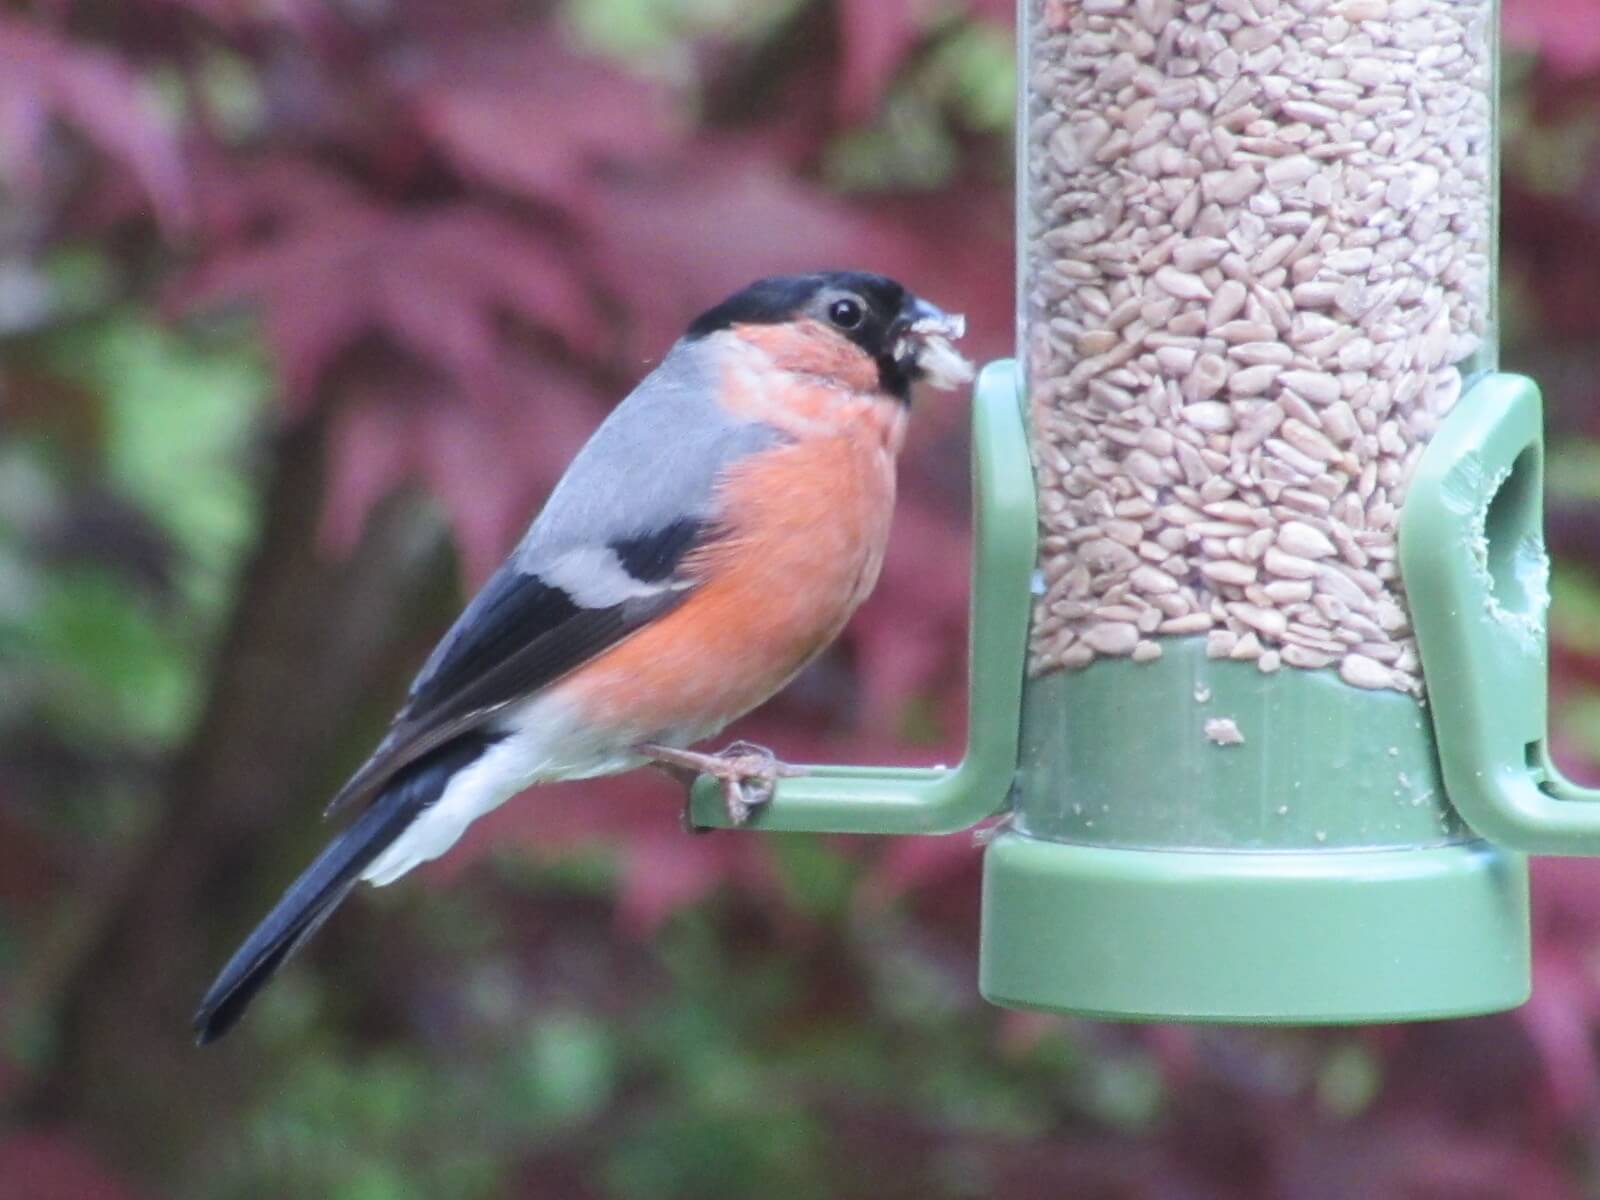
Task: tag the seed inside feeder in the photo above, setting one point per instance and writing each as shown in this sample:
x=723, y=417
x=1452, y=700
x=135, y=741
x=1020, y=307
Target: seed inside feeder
x=1257, y=260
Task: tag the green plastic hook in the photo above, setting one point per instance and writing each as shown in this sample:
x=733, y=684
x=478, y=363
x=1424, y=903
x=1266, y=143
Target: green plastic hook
x=1473, y=559
x=839, y=799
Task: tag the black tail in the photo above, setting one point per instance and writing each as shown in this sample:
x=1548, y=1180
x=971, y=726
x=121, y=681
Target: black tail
x=312, y=898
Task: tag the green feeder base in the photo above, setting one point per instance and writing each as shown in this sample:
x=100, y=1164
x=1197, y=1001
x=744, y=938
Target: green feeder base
x=1293, y=937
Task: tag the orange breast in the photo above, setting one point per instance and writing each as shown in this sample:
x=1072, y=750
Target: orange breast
x=811, y=348
x=809, y=382
x=808, y=526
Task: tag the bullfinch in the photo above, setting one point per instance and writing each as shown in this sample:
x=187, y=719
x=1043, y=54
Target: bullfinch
x=713, y=535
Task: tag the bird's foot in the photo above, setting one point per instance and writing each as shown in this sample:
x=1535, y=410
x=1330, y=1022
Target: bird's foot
x=748, y=774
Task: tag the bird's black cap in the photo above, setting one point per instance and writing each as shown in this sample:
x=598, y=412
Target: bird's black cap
x=883, y=308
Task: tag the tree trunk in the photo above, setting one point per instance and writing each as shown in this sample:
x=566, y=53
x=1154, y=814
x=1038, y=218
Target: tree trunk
x=310, y=642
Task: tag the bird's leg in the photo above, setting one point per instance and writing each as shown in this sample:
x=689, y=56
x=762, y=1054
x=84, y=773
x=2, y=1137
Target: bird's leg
x=748, y=773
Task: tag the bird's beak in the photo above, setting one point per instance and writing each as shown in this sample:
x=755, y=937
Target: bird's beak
x=922, y=345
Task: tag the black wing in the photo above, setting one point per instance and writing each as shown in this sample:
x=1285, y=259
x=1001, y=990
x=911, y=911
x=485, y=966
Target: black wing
x=519, y=634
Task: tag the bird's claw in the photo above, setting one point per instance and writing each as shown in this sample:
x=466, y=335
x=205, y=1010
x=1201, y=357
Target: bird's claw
x=749, y=778
x=748, y=775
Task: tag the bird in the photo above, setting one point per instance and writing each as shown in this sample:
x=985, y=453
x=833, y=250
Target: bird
x=712, y=537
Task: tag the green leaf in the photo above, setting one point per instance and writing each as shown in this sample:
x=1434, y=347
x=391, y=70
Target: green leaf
x=375, y=1181
x=1579, y=719
x=179, y=417
x=1575, y=609
x=1123, y=1090
x=976, y=67
x=700, y=1155
x=1572, y=470
x=817, y=878
x=567, y=1068
x=1349, y=1081
x=910, y=147
x=654, y=36
x=109, y=663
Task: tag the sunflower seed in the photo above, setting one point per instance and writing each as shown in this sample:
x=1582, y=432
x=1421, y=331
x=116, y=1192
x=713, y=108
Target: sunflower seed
x=1253, y=256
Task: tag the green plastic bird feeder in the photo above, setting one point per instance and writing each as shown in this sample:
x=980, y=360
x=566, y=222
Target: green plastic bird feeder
x=1258, y=644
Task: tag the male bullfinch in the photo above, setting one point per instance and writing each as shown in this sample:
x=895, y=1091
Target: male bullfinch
x=713, y=535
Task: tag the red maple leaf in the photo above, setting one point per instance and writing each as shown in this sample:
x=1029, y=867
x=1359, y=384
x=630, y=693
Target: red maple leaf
x=1566, y=33
x=334, y=267
x=491, y=466
x=874, y=38
x=43, y=76
x=680, y=237
x=50, y=1166
x=528, y=116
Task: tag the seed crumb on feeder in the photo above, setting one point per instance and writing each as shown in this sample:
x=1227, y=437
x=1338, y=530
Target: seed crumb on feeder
x=1248, y=288
x=1224, y=732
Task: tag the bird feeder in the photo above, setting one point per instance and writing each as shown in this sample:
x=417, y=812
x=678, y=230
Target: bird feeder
x=1258, y=646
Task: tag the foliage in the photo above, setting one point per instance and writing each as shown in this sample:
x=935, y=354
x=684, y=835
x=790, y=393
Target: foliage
x=427, y=245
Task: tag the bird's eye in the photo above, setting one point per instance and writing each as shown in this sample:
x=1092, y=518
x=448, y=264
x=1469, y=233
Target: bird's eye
x=846, y=314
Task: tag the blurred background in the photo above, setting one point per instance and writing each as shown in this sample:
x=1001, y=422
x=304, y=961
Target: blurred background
x=303, y=306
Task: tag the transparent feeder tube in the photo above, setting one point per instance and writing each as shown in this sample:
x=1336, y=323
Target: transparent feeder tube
x=1256, y=270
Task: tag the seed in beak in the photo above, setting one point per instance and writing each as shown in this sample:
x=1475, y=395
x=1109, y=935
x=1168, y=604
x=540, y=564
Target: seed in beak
x=927, y=342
